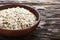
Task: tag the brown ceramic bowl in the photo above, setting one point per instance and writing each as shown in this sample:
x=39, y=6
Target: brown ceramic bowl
x=6, y=32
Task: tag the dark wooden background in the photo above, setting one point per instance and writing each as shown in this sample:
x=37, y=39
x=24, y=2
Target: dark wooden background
x=49, y=27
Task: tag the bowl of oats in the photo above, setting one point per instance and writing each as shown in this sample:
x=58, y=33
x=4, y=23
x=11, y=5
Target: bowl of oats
x=18, y=20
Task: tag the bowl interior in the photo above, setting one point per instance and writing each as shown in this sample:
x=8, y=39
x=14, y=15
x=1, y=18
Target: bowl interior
x=23, y=6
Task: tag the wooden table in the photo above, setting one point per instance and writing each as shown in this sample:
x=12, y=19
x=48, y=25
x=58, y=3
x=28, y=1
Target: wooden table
x=49, y=27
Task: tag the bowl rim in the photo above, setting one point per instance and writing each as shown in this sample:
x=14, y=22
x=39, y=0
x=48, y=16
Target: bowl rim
x=28, y=27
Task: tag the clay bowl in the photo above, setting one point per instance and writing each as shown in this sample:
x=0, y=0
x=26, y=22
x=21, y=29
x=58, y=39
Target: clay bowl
x=6, y=32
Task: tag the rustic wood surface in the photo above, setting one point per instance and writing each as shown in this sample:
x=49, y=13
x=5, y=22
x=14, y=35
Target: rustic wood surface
x=49, y=27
